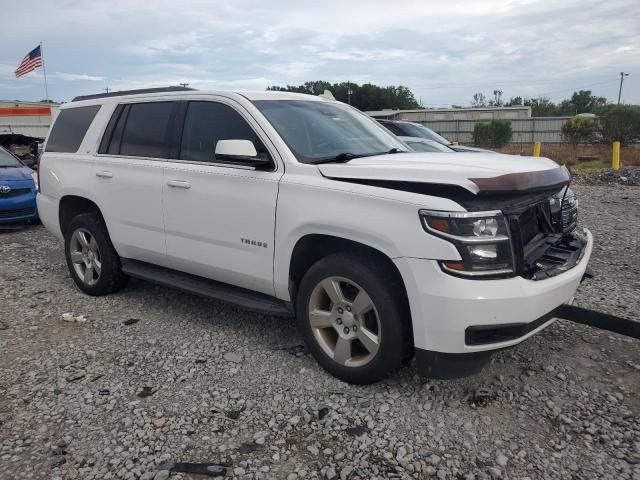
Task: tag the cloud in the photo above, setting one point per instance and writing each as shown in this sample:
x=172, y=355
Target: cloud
x=443, y=51
x=77, y=77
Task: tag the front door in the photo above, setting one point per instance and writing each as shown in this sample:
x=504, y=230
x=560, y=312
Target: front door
x=220, y=218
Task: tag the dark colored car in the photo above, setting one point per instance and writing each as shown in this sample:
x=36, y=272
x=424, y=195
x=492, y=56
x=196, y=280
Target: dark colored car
x=410, y=129
x=18, y=189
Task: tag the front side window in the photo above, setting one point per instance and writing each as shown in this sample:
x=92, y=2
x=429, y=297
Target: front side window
x=318, y=131
x=144, y=130
x=208, y=122
x=70, y=128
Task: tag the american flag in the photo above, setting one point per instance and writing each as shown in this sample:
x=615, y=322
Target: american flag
x=30, y=62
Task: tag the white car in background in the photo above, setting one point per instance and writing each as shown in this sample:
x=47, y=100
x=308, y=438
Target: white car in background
x=423, y=145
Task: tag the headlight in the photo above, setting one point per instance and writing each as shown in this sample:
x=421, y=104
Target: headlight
x=34, y=175
x=564, y=210
x=482, y=238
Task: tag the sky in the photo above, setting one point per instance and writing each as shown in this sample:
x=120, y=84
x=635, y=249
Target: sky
x=443, y=51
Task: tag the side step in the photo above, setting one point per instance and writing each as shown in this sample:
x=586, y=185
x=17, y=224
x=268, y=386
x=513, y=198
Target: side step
x=243, y=298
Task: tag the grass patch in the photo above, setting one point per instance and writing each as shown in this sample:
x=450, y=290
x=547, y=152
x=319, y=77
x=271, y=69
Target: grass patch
x=586, y=166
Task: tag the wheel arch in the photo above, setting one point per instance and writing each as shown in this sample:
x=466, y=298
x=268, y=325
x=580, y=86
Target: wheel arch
x=312, y=247
x=73, y=205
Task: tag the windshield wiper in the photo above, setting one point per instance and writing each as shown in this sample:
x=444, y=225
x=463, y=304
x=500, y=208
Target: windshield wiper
x=346, y=156
x=340, y=158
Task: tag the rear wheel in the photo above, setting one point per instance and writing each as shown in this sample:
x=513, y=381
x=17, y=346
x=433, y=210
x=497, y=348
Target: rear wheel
x=352, y=314
x=93, y=262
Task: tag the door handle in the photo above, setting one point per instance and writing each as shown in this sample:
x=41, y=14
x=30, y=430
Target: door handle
x=104, y=174
x=178, y=184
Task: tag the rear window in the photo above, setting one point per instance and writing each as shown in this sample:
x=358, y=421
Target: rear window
x=145, y=130
x=70, y=128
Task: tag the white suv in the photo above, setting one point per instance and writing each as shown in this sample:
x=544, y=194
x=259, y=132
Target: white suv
x=291, y=204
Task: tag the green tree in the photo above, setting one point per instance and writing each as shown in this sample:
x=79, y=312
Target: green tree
x=579, y=130
x=497, y=99
x=582, y=102
x=620, y=123
x=496, y=133
x=364, y=97
x=482, y=135
x=479, y=100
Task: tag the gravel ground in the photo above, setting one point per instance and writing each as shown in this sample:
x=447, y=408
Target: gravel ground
x=606, y=176
x=237, y=389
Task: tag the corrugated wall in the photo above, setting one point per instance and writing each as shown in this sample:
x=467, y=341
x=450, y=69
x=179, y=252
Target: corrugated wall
x=525, y=130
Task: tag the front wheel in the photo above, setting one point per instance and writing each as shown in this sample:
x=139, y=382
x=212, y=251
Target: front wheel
x=352, y=313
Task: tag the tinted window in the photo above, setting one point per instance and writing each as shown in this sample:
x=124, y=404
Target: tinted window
x=206, y=123
x=394, y=128
x=109, y=143
x=70, y=128
x=145, y=130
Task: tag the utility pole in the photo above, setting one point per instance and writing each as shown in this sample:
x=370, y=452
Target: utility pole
x=622, y=75
x=184, y=85
x=349, y=92
x=106, y=89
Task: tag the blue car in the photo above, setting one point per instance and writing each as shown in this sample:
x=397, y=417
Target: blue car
x=18, y=189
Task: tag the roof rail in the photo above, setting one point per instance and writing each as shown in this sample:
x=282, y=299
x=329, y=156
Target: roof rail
x=131, y=92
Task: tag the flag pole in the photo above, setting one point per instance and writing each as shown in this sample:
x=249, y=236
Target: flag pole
x=44, y=70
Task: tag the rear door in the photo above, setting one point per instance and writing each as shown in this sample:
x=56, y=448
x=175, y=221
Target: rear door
x=220, y=218
x=127, y=178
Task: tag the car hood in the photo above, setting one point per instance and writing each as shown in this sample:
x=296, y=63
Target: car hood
x=476, y=172
x=15, y=174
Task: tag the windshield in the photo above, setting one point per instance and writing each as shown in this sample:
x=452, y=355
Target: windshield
x=427, y=147
x=8, y=160
x=318, y=131
x=424, y=132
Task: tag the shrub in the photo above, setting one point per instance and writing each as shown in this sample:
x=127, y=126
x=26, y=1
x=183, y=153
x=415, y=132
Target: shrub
x=496, y=133
x=579, y=130
x=621, y=123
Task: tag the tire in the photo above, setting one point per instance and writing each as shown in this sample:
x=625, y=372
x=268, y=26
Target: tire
x=385, y=317
x=89, y=229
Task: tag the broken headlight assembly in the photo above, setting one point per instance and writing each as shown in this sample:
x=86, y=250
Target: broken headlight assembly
x=482, y=239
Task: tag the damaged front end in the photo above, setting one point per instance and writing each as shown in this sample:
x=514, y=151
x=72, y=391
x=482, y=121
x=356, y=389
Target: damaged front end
x=541, y=212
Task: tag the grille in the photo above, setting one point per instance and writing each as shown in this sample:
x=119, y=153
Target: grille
x=23, y=212
x=15, y=192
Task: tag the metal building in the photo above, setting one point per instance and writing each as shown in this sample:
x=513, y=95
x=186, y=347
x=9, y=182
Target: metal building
x=449, y=114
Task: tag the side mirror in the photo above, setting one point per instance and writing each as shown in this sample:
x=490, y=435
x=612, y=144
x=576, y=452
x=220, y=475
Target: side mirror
x=239, y=152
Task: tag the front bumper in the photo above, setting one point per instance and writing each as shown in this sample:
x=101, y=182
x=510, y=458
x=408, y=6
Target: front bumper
x=21, y=208
x=444, y=307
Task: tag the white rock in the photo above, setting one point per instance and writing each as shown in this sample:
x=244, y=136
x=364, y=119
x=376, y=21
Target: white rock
x=162, y=475
x=233, y=357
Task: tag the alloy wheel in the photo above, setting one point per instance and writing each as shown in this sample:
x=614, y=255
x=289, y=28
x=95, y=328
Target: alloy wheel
x=344, y=321
x=85, y=256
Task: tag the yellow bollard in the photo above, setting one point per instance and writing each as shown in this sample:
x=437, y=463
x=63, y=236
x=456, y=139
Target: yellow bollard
x=536, y=149
x=615, y=156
